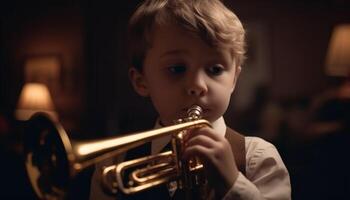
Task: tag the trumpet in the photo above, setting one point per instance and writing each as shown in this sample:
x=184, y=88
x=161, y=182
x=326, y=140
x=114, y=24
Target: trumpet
x=52, y=160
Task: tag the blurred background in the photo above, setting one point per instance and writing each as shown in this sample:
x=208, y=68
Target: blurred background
x=68, y=58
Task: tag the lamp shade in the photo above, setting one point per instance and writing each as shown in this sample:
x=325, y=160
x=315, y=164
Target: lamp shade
x=338, y=56
x=34, y=97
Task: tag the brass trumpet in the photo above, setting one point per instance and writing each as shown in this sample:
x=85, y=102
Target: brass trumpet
x=52, y=159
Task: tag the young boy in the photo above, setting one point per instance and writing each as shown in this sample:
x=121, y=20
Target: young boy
x=190, y=52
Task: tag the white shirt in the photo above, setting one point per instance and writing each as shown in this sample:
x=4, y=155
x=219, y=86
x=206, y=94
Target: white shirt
x=266, y=175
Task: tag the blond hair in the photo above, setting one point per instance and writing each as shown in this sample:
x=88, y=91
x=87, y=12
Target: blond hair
x=210, y=19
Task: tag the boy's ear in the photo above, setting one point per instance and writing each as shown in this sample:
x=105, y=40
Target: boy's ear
x=138, y=82
x=238, y=72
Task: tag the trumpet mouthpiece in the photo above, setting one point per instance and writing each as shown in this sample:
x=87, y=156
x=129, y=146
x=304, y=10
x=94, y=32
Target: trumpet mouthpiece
x=195, y=112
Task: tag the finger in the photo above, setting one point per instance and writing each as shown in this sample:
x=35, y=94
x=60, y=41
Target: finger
x=197, y=150
x=207, y=131
x=201, y=140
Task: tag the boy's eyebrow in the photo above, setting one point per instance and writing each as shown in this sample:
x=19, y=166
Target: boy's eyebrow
x=173, y=52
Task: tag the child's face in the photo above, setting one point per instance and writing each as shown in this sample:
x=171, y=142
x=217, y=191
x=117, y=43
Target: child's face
x=180, y=70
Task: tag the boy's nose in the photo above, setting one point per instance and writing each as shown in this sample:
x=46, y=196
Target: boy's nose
x=197, y=86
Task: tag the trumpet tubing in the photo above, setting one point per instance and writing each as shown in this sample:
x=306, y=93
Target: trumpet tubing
x=52, y=159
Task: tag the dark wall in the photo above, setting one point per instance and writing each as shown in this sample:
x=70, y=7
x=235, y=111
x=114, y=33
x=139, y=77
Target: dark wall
x=299, y=32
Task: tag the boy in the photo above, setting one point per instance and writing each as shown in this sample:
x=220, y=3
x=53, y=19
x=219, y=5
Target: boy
x=190, y=52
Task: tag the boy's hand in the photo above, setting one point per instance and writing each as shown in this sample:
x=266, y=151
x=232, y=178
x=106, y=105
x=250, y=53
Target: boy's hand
x=216, y=154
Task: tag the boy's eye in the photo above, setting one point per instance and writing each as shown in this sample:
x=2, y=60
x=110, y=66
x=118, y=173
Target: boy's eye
x=215, y=70
x=177, y=69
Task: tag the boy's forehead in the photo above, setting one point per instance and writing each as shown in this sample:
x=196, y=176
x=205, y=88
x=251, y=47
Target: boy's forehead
x=170, y=34
x=175, y=40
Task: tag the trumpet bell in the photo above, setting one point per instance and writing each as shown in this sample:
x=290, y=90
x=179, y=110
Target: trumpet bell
x=47, y=157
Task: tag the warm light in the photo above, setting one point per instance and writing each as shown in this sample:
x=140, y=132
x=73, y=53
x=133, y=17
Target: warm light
x=34, y=97
x=338, y=57
x=43, y=69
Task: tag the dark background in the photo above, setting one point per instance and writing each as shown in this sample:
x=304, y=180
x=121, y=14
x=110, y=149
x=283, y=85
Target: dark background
x=95, y=98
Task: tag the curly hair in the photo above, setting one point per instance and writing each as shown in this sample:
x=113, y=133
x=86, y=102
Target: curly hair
x=210, y=19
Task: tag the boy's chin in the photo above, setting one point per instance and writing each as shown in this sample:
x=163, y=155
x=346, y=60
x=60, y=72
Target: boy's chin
x=211, y=119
